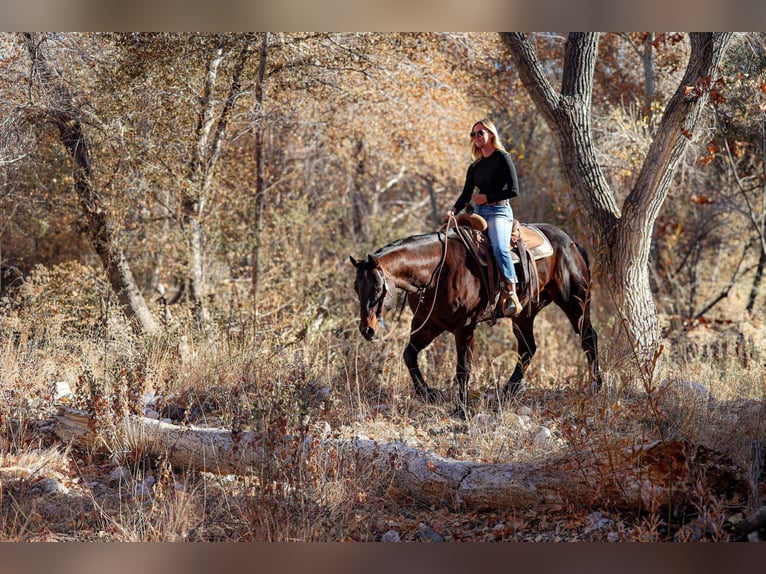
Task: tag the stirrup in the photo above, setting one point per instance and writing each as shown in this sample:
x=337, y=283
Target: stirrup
x=512, y=305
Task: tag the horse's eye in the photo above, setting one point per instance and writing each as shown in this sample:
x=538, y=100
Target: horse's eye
x=375, y=298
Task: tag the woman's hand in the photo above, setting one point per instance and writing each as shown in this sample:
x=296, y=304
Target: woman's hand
x=447, y=214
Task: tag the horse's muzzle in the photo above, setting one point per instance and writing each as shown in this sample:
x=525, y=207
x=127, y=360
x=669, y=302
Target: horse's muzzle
x=367, y=332
x=369, y=326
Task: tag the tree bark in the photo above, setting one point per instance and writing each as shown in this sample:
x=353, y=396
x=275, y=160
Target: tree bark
x=622, y=237
x=640, y=476
x=360, y=204
x=64, y=113
x=649, y=87
x=194, y=201
x=211, y=130
x=260, y=178
x=755, y=287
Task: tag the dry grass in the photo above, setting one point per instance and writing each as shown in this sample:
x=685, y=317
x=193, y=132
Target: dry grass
x=308, y=378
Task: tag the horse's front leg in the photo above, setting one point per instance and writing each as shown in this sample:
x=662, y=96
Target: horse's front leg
x=464, y=345
x=418, y=341
x=523, y=328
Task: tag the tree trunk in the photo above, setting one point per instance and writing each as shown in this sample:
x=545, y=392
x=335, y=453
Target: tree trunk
x=756, y=282
x=260, y=178
x=194, y=203
x=649, y=87
x=622, y=239
x=64, y=113
x=210, y=133
x=627, y=274
x=436, y=216
x=635, y=477
x=360, y=205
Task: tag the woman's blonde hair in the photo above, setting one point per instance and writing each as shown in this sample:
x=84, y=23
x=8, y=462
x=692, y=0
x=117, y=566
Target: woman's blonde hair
x=496, y=143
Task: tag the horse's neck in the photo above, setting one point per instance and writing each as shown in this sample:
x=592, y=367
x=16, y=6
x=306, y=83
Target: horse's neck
x=412, y=264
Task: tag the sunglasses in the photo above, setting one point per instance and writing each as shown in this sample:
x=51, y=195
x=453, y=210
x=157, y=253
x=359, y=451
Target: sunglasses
x=478, y=133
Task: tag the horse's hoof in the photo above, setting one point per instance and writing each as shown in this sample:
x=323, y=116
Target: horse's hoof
x=432, y=396
x=594, y=388
x=513, y=389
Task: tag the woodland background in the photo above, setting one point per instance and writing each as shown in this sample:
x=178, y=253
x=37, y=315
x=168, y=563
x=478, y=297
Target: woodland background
x=233, y=174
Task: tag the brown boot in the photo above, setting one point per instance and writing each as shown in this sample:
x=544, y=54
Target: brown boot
x=512, y=306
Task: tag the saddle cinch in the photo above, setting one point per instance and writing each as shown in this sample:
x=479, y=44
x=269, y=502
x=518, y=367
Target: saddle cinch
x=528, y=244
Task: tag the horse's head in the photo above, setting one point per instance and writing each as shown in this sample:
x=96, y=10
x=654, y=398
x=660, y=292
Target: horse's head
x=375, y=294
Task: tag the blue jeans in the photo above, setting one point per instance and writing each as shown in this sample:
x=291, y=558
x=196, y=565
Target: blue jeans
x=499, y=226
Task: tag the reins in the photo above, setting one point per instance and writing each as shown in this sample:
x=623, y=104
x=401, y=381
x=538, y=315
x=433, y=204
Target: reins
x=436, y=272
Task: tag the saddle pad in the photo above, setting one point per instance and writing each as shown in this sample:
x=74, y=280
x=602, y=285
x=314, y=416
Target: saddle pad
x=536, y=242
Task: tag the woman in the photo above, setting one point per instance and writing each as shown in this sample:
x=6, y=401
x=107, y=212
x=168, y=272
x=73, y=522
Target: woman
x=489, y=185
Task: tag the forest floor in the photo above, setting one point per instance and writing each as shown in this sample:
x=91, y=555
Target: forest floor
x=53, y=491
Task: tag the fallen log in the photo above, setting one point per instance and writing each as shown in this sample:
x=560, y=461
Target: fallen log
x=629, y=476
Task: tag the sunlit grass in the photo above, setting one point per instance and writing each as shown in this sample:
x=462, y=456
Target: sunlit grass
x=295, y=375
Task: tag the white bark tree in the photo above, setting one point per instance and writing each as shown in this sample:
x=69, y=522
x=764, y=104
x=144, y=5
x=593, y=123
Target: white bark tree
x=212, y=122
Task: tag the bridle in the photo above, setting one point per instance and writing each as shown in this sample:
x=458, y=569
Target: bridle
x=378, y=304
x=437, y=272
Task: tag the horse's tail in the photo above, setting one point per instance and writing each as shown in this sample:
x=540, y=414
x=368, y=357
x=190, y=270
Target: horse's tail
x=584, y=254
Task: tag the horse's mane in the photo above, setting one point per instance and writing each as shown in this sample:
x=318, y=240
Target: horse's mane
x=411, y=241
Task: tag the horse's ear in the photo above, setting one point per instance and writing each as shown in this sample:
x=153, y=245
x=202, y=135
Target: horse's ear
x=354, y=262
x=373, y=261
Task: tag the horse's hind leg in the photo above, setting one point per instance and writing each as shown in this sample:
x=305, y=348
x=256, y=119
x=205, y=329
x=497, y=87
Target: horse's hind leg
x=590, y=346
x=523, y=328
x=578, y=312
x=419, y=341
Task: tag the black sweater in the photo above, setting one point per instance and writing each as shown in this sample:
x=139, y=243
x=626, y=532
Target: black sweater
x=494, y=176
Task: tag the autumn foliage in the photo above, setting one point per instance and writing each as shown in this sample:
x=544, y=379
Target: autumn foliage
x=336, y=144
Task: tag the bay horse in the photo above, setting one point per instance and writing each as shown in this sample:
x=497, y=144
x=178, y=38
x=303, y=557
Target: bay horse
x=444, y=289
